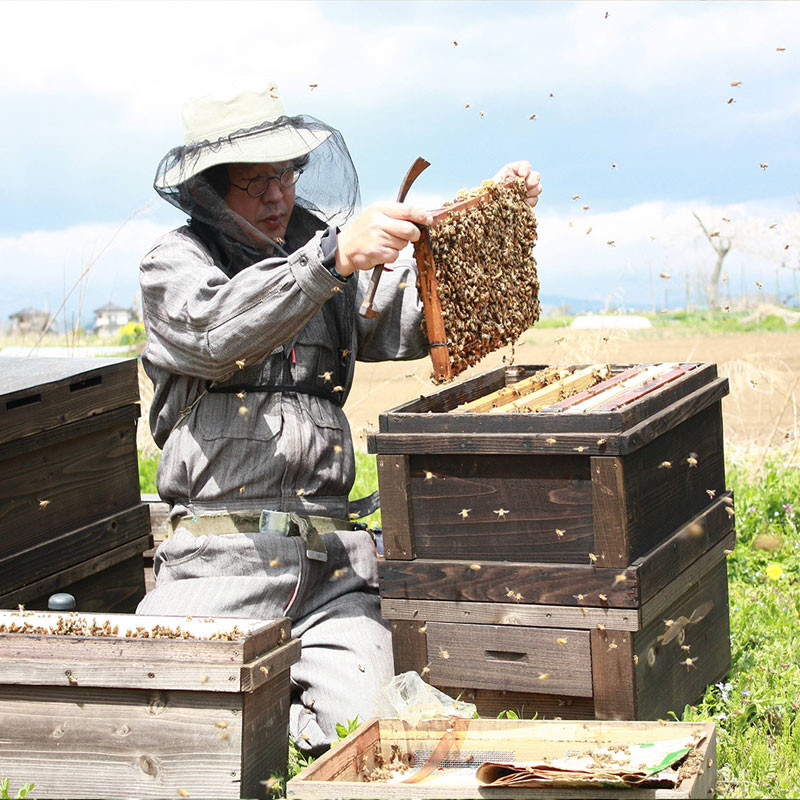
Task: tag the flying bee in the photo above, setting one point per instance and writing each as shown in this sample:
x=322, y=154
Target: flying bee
x=588, y=230
x=736, y=83
x=692, y=460
x=603, y=597
x=475, y=567
x=592, y=558
x=560, y=533
x=610, y=243
x=422, y=628
x=781, y=49
x=612, y=646
x=183, y=793
x=481, y=113
x=773, y=226
x=240, y=364
x=763, y=165
x=532, y=116
x=429, y=476
x=559, y=339
x=689, y=663
x=711, y=493
x=44, y=503
x=501, y=512
x=551, y=440
x=464, y=513
x=731, y=100
x=338, y=574
x=665, y=275
x=543, y=676
x=326, y=376
x=444, y=654
x=620, y=578
x=759, y=284
x=725, y=219
x=665, y=465
x=313, y=86
x=576, y=197
x=561, y=641
x=586, y=207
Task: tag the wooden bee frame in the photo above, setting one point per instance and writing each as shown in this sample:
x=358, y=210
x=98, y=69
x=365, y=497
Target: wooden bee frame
x=436, y=328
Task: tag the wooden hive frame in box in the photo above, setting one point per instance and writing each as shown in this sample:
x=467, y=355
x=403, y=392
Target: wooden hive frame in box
x=477, y=276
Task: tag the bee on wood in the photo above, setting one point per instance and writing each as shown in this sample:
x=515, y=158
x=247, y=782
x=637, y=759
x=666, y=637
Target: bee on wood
x=543, y=676
x=429, y=476
x=475, y=567
x=464, y=513
x=561, y=641
x=612, y=646
x=183, y=793
x=240, y=364
x=620, y=578
x=592, y=558
x=550, y=440
x=501, y=512
x=326, y=376
x=560, y=533
x=422, y=629
x=444, y=654
x=711, y=493
x=603, y=597
x=44, y=503
x=601, y=442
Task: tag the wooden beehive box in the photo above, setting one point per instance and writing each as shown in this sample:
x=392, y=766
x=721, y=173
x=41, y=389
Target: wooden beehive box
x=71, y=518
x=131, y=717
x=339, y=773
x=533, y=558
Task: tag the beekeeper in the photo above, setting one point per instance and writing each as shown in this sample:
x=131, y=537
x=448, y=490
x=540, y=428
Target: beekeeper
x=253, y=330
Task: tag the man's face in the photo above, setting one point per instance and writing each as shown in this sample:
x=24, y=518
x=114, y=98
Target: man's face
x=271, y=211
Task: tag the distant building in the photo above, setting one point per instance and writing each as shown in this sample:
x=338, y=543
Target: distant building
x=29, y=320
x=110, y=318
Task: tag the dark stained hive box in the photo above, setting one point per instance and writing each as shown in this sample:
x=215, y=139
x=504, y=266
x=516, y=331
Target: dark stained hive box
x=125, y=716
x=532, y=559
x=71, y=517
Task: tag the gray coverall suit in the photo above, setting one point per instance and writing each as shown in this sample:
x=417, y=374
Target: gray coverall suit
x=222, y=316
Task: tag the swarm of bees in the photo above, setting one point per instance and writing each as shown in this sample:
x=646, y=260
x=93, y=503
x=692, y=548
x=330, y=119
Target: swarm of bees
x=485, y=271
x=384, y=770
x=78, y=626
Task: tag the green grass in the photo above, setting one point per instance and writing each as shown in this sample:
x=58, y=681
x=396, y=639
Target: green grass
x=757, y=705
x=689, y=323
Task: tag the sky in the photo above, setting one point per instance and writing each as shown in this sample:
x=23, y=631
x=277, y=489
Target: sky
x=636, y=113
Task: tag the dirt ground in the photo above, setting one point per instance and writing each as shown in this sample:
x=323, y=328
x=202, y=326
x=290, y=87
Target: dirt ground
x=762, y=409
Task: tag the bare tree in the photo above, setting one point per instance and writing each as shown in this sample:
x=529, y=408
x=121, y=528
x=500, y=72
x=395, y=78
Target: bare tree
x=722, y=247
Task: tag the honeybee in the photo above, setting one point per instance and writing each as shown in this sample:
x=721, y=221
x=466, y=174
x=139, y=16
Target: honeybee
x=731, y=100
x=44, y=503
x=240, y=364
x=464, y=513
x=326, y=376
x=763, y=165
x=588, y=230
x=689, y=663
x=576, y=197
x=713, y=234
x=501, y=512
x=586, y=207
x=665, y=275
x=665, y=465
x=313, y=86
x=532, y=116
x=592, y=558
x=561, y=641
x=610, y=243
x=620, y=578
x=736, y=83
x=475, y=567
x=560, y=533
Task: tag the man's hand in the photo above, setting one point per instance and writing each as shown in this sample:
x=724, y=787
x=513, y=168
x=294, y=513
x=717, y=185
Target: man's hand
x=378, y=236
x=522, y=169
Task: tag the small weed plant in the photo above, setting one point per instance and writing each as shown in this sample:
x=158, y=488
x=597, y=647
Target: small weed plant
x=5, y=790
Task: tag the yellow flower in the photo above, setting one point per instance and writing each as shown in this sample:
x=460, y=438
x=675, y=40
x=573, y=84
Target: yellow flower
x=774, y=571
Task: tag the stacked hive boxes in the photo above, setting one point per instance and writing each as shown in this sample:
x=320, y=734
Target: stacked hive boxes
x=569, y=563
x=71, y=516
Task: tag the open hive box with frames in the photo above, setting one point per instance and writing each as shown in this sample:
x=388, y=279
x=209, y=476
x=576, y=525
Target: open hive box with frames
x=556, y=538
x=391, y=758
x=131, y=706
x=477, y=275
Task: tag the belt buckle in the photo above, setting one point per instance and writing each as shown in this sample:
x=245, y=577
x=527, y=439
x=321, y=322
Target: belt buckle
x=274, y=522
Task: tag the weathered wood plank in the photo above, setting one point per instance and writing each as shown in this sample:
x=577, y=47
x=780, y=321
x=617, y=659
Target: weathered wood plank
x=138, y=743
x=547, y=661
x=543, y=616
x=658, y=606
x=410, y=646
x=258, y=637
x=56, y=487
x=608, y=503
x=672, y=675
x=612, y=674
x=498, y=581
x=457, y=503
x=119, y=588
x=665, y=562
x=74, y=547
x=547, y=441
x=37, y=394
x=490, y=703
x=678, y=467
x=394, y=482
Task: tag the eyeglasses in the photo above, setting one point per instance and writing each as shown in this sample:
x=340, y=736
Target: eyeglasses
x=255, y=187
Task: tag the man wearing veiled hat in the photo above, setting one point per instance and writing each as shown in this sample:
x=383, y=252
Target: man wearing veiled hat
x=252, y=336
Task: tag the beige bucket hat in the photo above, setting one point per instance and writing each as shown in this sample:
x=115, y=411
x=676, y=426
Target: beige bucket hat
x=249, y=127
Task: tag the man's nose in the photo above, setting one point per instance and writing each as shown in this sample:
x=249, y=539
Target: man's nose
x=273, y=194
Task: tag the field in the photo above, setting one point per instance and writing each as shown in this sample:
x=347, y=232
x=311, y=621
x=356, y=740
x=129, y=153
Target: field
x=757, y=705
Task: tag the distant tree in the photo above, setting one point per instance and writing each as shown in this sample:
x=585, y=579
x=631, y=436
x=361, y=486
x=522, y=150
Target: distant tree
x=722, y=246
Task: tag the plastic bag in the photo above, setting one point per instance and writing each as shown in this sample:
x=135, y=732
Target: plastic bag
x=414, y=700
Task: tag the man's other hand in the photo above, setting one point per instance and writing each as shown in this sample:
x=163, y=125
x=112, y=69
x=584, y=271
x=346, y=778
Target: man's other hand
x=522, y=169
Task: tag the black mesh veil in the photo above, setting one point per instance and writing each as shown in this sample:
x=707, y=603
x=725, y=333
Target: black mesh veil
x=328, y=187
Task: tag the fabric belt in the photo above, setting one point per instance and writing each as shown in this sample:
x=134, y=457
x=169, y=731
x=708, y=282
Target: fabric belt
x=277, y=523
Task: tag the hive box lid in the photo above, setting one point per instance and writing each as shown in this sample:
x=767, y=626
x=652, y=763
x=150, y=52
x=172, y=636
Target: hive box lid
x=41, y=393
x=417, y=426
x=337, y=774
x=120, y=655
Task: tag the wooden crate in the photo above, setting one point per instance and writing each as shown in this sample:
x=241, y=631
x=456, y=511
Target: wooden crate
x=597, y=532
x=89, y=716
x=69, y=481
x=337, y=773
